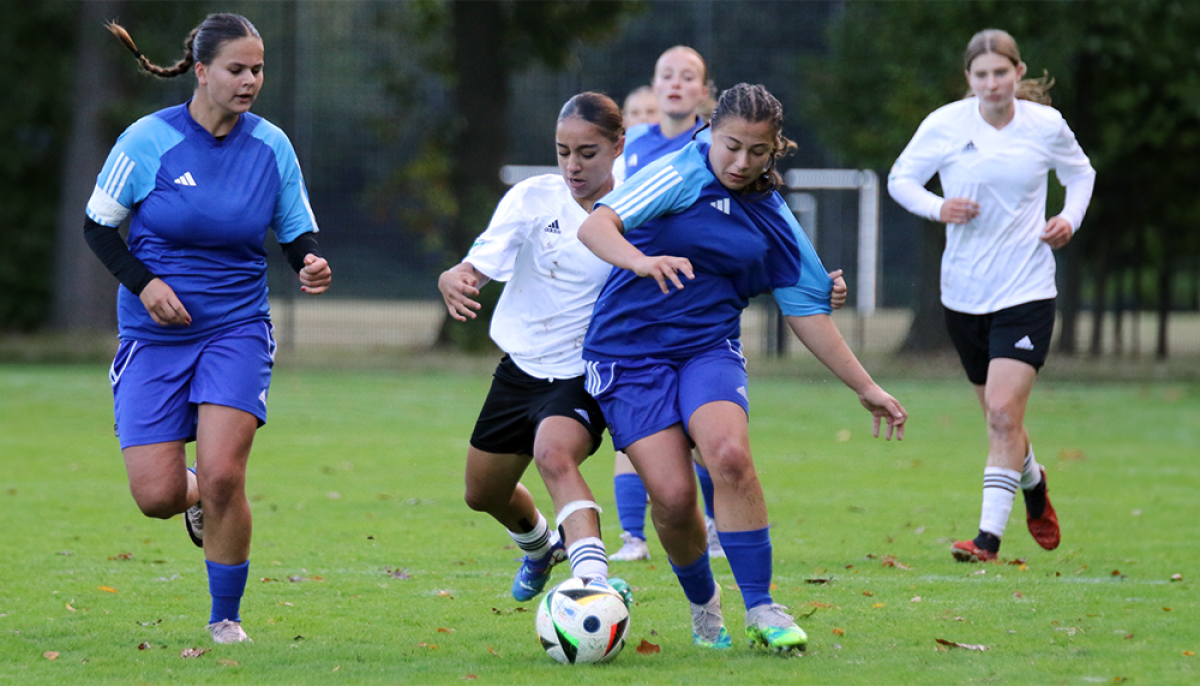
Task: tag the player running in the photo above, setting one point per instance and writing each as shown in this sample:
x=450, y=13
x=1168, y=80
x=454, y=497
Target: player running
x=203, y=182
x=663, y=355
x=993, y=151
x=537, y=407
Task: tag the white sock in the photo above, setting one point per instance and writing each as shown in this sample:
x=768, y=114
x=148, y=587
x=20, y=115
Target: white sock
x=1031, y=474
x=999, y=488
x=588, y=558
x=537, y=542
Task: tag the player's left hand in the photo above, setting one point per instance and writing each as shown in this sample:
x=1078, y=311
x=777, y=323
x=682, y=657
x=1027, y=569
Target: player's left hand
x=316, y=275
x=1057, y=233
x=838, y=297
x=883, y=406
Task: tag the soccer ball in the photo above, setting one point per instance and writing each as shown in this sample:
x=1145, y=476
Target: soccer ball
x=580, y=621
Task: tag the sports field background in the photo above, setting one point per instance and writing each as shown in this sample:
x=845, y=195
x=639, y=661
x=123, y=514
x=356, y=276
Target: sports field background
x=367, y=567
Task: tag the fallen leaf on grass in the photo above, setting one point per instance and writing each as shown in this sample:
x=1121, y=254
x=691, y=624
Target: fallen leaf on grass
x=816, y=581
x=228, y=663
x=839, y=632
x=1188, y=653
x=50, y=655
x=1166, y=609
x=967, y=646
x=493, y=652
x=445, y=594
x=821, y=605
x=1116, y=572
x=879, y=604
x=121, y=556
x=431, y=646
x=891, y=561
x=470, y=677
x=1072, y=455
x=192, y=652
x=1018, y=561
x=145, y=645
x=107, y=589
x=1128, y=636
x=915, y=599
x=298, y=638
x=1018, y=594
x=1176, y=577
x=443, y=630
x=266, y=580
x=158, y=621
x=70, y=608
x=648, y=648
x=399, y=573
x=868, y=594
x=498, y=611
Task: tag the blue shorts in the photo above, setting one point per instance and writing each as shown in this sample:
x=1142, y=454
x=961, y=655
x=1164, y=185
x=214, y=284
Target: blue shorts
x=158, y=388
x=644, y=396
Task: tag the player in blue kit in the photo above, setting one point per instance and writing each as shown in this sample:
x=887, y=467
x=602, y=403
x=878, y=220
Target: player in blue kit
x=663, y=354
x=203, y=182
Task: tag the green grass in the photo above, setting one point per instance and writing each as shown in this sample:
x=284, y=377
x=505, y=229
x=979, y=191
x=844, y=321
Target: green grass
x=360, y=472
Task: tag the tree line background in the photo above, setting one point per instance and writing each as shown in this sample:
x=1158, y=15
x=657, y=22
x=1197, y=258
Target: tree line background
x=402, y=114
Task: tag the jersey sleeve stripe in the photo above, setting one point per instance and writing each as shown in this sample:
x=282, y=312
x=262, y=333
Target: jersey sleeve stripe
x=102, y=208
x=119, y=174
x=647, y=191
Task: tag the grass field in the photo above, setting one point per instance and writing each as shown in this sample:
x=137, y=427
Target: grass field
x=367, y=568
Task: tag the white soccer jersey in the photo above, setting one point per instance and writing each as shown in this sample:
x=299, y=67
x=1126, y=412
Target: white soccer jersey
x=553, y=279
x=996, y=260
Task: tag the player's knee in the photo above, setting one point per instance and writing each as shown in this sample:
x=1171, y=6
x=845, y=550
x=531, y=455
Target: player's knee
x=482, y=499
x=1003, y=418
x=555, y=465
x=729, y=463
x=220, y=487
x=160, y=503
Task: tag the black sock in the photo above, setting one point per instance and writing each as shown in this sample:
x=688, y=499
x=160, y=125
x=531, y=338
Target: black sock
x=1035, y=500
x=988, y=542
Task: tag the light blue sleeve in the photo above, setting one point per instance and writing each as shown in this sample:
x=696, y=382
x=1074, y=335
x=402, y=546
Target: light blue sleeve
x=667, y=186
x=635, y=132
x=810, y=295
x=129, y=172
x=293, y=213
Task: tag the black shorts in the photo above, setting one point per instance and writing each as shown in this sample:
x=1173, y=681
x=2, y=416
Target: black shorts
x=1021, y=332
x=517, y=403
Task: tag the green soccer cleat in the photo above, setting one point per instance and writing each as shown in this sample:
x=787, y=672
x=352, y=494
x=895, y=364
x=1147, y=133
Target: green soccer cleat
x=708, y=625
x=623, y=588
x=770, y=627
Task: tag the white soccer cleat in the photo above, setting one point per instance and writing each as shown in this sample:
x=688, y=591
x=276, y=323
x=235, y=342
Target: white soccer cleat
x=228, y=631
x=634, y=549
x=715, y=549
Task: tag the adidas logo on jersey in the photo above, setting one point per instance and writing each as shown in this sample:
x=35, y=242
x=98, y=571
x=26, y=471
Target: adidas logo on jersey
x=1024, y=344
x=722, y=205
x=186, y=180
x=970, y=147
x=553, y=228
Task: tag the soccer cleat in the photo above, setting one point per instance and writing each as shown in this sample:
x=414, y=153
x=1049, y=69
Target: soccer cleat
x=532, y=576
x=193, y=520
x=1043, y=526
x=967, y=551
x=634, y=549
x=708, y=625
x=623, y=588
x=769, y=626
x=715, y=549
x=228, y=631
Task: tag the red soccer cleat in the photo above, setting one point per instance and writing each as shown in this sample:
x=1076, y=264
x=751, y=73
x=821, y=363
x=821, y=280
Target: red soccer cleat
x=1044, y=527
x=967, y=551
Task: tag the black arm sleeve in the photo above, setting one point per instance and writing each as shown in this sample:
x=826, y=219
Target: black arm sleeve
x=108, y=245
x=300, y=248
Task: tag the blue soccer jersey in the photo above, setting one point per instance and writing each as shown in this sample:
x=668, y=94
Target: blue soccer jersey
x=201, y=208
x=645, y=143
x=739, y=247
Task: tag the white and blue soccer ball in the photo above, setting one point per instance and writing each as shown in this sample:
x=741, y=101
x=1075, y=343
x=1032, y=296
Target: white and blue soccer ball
x=580, y=621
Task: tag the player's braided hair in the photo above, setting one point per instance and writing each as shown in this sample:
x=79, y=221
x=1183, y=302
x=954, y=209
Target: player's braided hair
x=756, y=104
x=1000, y=42
x=598, y=110
x=201, y=45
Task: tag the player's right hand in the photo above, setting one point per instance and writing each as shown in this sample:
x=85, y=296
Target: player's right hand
x=959, y=210
x=664, y=268
x=458, y=287
x=164, y=307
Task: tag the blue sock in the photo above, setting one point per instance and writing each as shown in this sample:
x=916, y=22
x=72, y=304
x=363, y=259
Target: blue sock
x=227, y=585
x=697, y=580
x=706, y=487
x=750, y=560
x=631, y=504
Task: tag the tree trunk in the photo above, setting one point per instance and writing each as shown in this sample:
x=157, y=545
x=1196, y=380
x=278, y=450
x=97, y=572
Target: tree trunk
x=1070, y=297
x=1165, y=276
x=928, y=330
x=1118, y=314
x=1099, y=302
x=84, y=291
x=481, y=71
